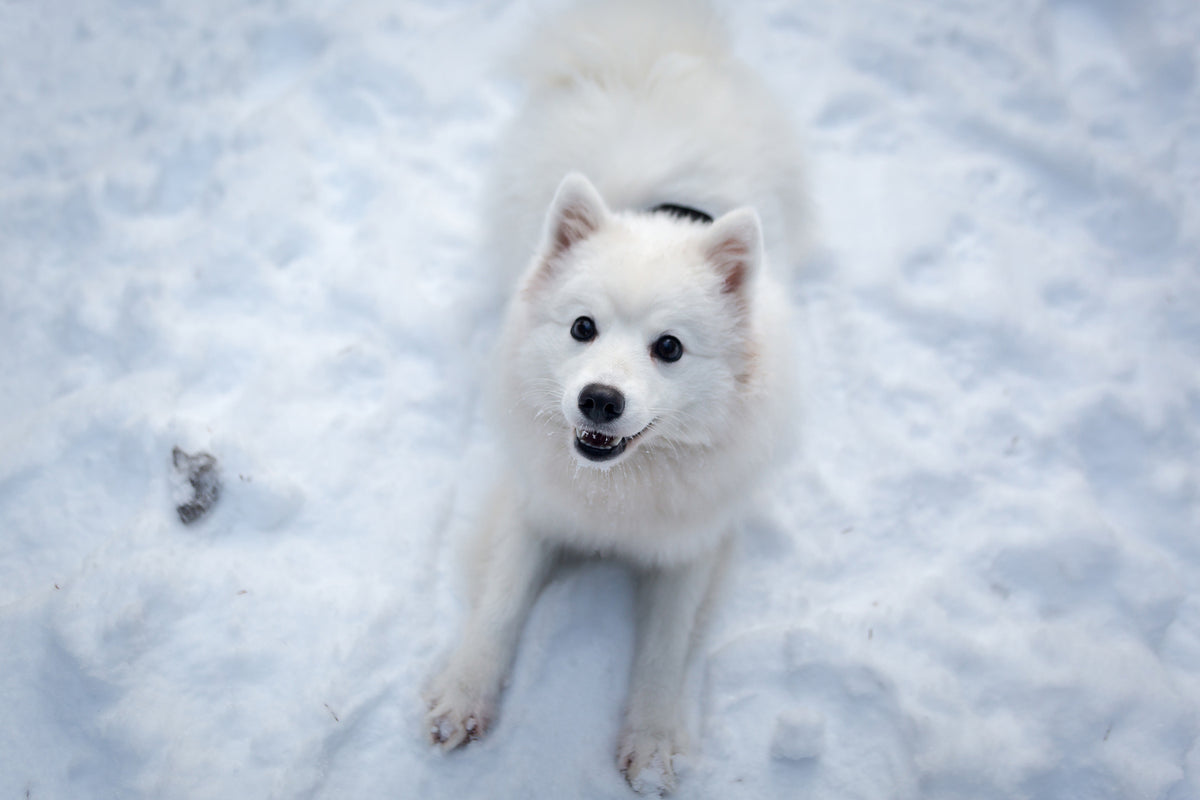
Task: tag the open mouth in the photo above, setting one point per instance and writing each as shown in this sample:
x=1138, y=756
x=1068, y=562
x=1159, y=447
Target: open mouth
x=597, y=446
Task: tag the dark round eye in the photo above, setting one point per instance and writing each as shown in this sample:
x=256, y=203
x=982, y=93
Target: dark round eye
x=583, y=329
x=668, y=348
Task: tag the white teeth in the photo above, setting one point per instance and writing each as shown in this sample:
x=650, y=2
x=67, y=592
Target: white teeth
x=597, y=439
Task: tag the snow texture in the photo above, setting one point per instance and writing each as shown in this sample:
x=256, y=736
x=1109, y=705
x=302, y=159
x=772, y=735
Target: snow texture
x=250, y=230
x=799, y=735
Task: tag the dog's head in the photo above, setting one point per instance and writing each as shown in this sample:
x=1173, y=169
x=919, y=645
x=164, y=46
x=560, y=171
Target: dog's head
x=635, y=329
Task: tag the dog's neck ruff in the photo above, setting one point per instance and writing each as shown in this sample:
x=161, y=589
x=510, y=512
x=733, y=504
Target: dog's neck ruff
x=683, y=212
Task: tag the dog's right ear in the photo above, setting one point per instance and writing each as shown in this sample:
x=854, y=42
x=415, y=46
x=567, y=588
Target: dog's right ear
x=735, y=249
x=576, y=212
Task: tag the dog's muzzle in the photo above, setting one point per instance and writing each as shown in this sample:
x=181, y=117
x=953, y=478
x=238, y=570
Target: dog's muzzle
x=601, y=405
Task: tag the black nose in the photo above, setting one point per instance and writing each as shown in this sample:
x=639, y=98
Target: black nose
x=601, y=403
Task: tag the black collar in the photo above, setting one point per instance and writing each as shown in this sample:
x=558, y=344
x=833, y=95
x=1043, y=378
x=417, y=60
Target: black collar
x=683, y=212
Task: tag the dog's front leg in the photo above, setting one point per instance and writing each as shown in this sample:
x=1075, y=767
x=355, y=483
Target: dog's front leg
x=513, y=564
x=668, y=603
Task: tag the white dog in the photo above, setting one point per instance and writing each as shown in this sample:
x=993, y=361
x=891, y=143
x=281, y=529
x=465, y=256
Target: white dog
x=645, y=369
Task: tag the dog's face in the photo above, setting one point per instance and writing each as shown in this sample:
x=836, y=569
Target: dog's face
x=636, y=327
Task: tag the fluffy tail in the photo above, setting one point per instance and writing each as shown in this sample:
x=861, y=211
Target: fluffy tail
x=619, y=40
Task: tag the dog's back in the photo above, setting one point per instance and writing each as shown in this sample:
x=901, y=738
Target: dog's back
x=621, y=41
x=647, y=100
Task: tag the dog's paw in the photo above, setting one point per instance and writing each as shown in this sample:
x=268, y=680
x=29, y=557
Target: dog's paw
x=456, y=714
x=645, y=759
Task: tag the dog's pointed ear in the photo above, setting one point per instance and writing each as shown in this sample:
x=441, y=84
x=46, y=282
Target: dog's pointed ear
x=735, y=248
x=576, y=212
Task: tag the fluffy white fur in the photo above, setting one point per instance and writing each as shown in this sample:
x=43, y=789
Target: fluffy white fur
x=646, y=102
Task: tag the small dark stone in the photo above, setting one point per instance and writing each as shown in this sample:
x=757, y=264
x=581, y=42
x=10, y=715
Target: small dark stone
x=201, y=472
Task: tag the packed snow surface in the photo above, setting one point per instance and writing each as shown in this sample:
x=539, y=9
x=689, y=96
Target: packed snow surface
x=251, y=230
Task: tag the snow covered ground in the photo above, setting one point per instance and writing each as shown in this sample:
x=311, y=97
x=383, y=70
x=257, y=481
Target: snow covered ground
x=250, y=229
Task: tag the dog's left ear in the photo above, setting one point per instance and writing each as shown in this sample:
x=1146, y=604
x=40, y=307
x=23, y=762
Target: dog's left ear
x=735, y=248
x=576, y=212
